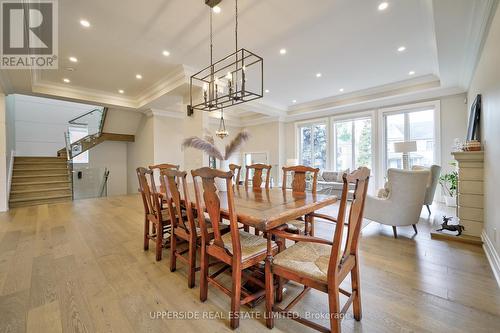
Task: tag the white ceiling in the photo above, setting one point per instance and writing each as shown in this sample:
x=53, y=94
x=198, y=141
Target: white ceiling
x=350, y=42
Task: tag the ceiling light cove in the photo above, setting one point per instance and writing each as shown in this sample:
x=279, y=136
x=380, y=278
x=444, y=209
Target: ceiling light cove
x=66, y=80
x=85, y=23
x=318, y=75
x=166, y=53
x=411, y=73
x=401, y=48
x=383, y=6
x=121, y=91
x=216, y=9
x=138, y=76
x=73, y=59
x=283, y=51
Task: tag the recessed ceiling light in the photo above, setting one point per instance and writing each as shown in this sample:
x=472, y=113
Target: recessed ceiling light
x=267, y=90
x=401, y=48
x=138, y=76
x=73, y=59
x=411, y=73
x=166, y=53
x=66, y=80
x=85, y=23
x=283, y=51
x=383, y=6
x=216, y=9
x=341, y=89
x=294, y=101
x=318, y=74
x=121, y=91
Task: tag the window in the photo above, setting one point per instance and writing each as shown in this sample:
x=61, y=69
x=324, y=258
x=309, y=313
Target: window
x=416, y=126
x=75, y=134
x=353, y=143
x=313, y=145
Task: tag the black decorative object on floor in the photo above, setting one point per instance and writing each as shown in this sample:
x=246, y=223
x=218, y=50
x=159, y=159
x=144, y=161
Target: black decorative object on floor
x=453, y=227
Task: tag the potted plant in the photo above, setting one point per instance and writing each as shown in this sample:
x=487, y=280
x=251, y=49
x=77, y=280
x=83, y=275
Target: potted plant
x=449, y=184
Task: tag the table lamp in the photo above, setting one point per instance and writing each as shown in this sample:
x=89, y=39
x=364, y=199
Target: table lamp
x=405, y=147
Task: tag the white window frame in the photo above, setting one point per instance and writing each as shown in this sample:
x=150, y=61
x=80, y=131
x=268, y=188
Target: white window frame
x=405, y=109
x=352, y=117
x=300, y=124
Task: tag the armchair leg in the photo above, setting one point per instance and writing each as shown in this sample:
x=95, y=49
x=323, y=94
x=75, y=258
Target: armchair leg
x=394, y=231
x=415, y=228
x=428, y=209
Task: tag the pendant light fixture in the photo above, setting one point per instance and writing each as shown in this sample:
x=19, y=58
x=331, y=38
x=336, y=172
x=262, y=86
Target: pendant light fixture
x=235, y=79
x=222, y=132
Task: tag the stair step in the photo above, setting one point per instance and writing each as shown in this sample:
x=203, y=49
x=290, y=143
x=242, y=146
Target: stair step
x=46, y=197
x=31, y=175
x=41, y=169
x=40, y=201
x=42, y=185
x=37, y=190
x=39, y=178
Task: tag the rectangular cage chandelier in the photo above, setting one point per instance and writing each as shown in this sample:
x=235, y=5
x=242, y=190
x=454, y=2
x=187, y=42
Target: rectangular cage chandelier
x=235, y=79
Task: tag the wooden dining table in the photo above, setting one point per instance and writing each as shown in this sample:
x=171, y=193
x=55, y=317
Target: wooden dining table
x=267, y=209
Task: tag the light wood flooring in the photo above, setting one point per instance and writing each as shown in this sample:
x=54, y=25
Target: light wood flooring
x=79, y=267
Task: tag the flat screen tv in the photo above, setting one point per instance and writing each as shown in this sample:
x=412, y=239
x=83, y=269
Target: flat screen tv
x=474, y=130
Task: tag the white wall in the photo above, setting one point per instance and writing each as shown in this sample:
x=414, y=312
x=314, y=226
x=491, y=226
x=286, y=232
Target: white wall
x=3, y=156
x=168, y=136
x=40, y=124
x=141, y=152
x=113, y=156
x=486, y=81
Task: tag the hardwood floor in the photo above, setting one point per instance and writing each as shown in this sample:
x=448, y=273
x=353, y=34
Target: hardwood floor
x=79, y=267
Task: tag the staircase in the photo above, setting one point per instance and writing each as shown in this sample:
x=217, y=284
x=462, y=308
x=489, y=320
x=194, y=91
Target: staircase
x=39, y=180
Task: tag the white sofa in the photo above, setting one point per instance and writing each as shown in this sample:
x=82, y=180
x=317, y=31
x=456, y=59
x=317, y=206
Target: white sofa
x=400, y=203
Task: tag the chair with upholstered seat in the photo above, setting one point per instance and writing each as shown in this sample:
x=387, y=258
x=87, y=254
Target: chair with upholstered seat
x=156, y=218
x=299, y=184
x=238, y=249
x=184, y=222
x=400, y=202
x=321, y=264
x=435, y=172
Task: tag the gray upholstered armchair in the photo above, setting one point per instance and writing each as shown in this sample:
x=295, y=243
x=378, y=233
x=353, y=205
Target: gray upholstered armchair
x=435, y=172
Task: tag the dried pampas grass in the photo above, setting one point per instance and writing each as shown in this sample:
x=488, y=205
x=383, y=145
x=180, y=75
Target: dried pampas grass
x=234, y=145
x=208, y=146
x=204, y=145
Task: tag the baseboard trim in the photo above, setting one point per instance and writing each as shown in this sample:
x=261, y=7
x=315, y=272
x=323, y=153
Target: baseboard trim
x=492, y=256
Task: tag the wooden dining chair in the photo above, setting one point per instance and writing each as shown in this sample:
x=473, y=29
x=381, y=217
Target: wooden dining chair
x=299, y=184
x=238, y=249
x=236, y=169
x=184, y=222
x=156, y=218
x=257, y=175
x=160, y=168
x=321, y=264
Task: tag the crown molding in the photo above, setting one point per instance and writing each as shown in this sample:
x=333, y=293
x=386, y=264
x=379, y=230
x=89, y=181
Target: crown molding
x=176, y=78
x=375, y=103
x=482, y=14
x=164, y=113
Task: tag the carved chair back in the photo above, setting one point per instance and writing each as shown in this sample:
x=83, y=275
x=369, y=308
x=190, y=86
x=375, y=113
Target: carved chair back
x=150, y=197
x=208, y=196
x=257, y=175
x=160, y=168
x=299, y=177
x=172, y=180
x=360, y=179
x=236, y=169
